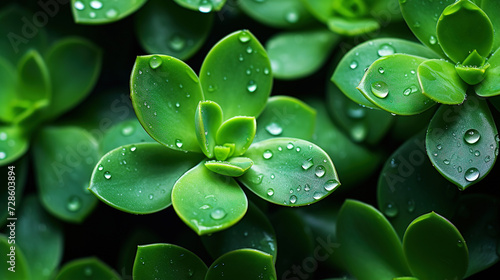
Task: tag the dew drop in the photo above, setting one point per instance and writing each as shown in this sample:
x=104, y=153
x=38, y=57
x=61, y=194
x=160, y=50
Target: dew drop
x=391, y=210
x=274, y=129
x=107, y=175
x=411, y=205
x=74, y=203
x=267, y=154
x=432, y=40
x=79, y=5
x=353, y=65
x=355, y=111
x=151, y=196
x=439, y=146
x=96, y=4
x=459, y=169
x=317, y=195
x=460, y=244
x=88, y=271
x=293, y=199
x=386, y=49
x=249, y=50
x=178, y=143
x=292, y=17
x=471, y=136
x=308, y=163
x=266, y=71
x=155, y=62
x=477, y=153
x=471, y=174
x=100, y=167
x=487, y=159
x=111, y=13
x=244, y=37
x=289, y=146
x=307, y=187
x=127, y=130
x=133, y=148
x=205, y=7
x=330, y=185
x=446, y=161
x=381, y=70
x=320, y=171
x=251, y=86
x=380, y=89
x=270, y=192
x=218, y=214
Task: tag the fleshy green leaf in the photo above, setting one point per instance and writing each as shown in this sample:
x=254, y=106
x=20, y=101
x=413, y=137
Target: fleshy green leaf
x=391, y=83
x=236, y=74
x=477, y=218
x=435, y=249
x=103, y=11
x=461, y=142
x=70, y=84
x=320, y=9
x=33, y=79
x=123, y=133
x=64, y=158
x=353, y=162
x=422, y=18
x=490, y=86
x=352, y=27
x=409, y=186
x=370, y=248
x=462, y=28
x=40, y=238
x=253, y=231
x=208, y=120
x=360, y=123
x=203, y=6
x=84, y=268
x=13, y=144
x=165, y=27
x=289, y=171
x=298, y=54
x=472, y=75
x=277, y=13
x=139, y=178
x=491, y=9
x=14, y=260
x=166, y=90
x=286, y=116
x=239, y=131
x=243, y=264
x=351, y=68
x=7, y=91
x=440, y=82
x=208, y=202
x=167, y=261
x=234, y=167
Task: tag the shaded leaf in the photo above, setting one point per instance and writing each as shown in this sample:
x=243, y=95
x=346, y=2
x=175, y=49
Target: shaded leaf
x=234, y=167
x=84, y=268
x=203, y=6
x=491, y=9
x=139, y=178
x=490, y=86
x=277, y=13
x=7, y=91
x=289, y=171
x=244, y=264
x=352, y=27
x=13, y=144
x=103, y=11
x=123, y=133
x=208, y=202
x=14, y=260
x=239, y=131
x=33, y=79
x=208, y=120
x=440, y=82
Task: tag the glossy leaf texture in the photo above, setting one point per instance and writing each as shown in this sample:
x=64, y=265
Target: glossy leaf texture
x=14, y=142
x=166, y=90
x=351, y=68
x=33, y=79
x=422, y=18
x=361, y=124
x=167, y=28
x=289, y=171
x=370, y=248
x=85, y=268
x=203, y=6
x=40, y=238
x=208, y=120
x=236, y=74
x=462, y=28
x=409, y=186
x=64, y=158
x=435, y=249
x=440, y=82
x=123, y=133
x=208, y=202
x=233, y=167
x=462, y=142
x=286, y=116
x=277, y=13
x=352, y=27
x=167, y=261
x=253, y=231
x=491, y=9
x=490, y=86
x=477, y=218
x=298, y=54
x=21, y=269
x=20, y=172
x=354, y=162
x=103, y=11
x=391, y=83
x=239, y=131
x=70, y=84
x=8, y=80
x=244, y=264
x=138, y=178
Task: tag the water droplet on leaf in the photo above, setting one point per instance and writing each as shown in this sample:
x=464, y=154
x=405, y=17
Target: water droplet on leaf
x=380, y=89
x=471, y=136
x=472, y=174
x=218, y=214
x=330, y=185
x=74, y=203
x=386, y=49
x=107, y=175
x=274, y=129
x=391, y=210
x=307, y=164
x=320, y=171
x=267, y=154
